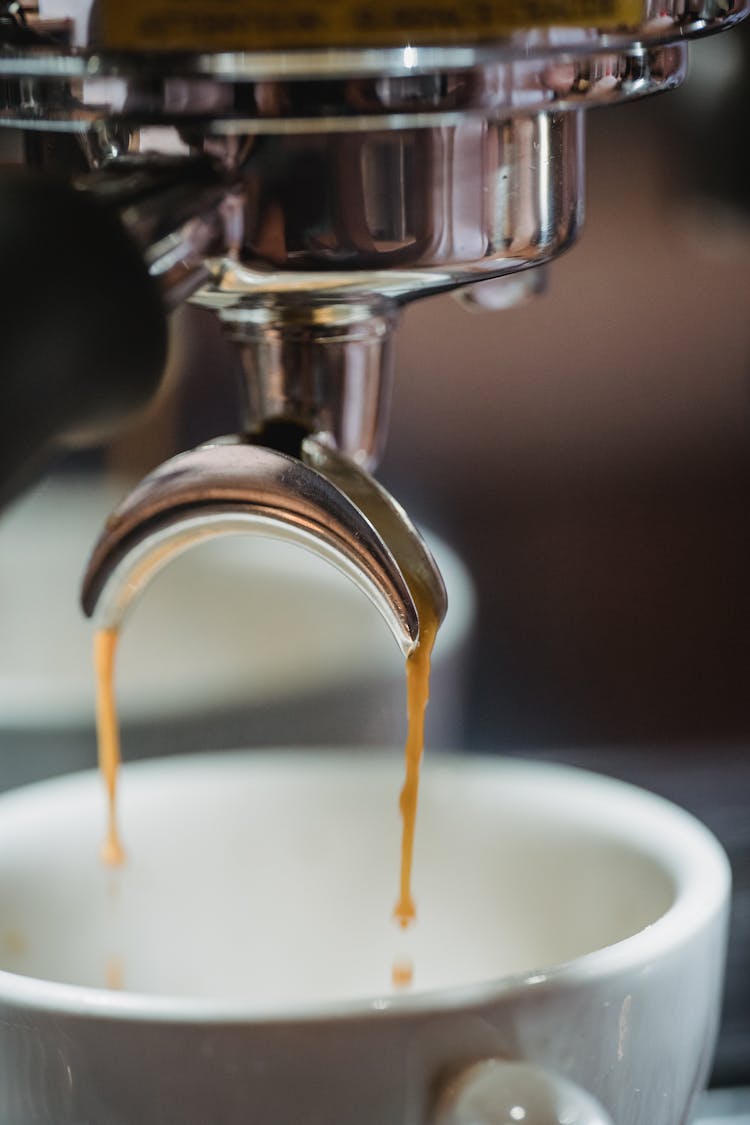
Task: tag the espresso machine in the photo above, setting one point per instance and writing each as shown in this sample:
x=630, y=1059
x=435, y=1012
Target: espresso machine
x=305, y=171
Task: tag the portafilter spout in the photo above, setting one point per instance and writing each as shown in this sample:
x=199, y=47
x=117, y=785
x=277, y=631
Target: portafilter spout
x=321, y=501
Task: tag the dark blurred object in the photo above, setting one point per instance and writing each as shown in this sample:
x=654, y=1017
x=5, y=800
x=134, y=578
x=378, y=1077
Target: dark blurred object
x=709, y=125
x=83, y=339
x=20, y=29
x=14, y=27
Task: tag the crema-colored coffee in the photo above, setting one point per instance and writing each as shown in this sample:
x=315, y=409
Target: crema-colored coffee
x=418, y=688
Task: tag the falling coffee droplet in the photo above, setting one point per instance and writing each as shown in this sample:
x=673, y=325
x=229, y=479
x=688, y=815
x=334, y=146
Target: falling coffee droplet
x=402, y=973
x=114, y=974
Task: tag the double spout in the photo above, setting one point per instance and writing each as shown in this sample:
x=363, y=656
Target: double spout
x=321, y=501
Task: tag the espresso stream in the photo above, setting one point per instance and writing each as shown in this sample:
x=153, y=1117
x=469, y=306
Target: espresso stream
x=417, y=687
x=108, y=737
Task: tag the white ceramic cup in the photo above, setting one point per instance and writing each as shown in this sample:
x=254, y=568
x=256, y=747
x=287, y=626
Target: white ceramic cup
x=568, y=952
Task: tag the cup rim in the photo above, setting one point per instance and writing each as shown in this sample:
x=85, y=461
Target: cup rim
x=697, y=863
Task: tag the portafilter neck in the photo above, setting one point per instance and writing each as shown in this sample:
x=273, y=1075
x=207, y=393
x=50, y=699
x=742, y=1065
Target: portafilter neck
x=317, y=368
x=310, y=365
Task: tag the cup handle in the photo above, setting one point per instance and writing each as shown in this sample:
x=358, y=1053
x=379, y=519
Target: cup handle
x=501, y=1092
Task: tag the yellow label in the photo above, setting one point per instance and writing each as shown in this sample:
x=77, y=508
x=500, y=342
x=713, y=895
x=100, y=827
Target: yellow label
x=236, y=25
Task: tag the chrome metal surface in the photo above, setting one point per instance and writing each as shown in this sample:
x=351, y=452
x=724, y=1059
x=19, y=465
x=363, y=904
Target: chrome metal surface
x=390, y=521
x=324, y=217
x=340, y=229
x=403, y=213
x=324, y=368
x=232, y=487
x=249, y=93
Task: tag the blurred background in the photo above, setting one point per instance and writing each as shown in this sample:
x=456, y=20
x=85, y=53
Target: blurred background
x=589, y=456
x=586, y=457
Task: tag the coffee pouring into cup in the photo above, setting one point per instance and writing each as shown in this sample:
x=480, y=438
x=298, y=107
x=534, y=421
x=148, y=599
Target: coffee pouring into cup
x=306, y=177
